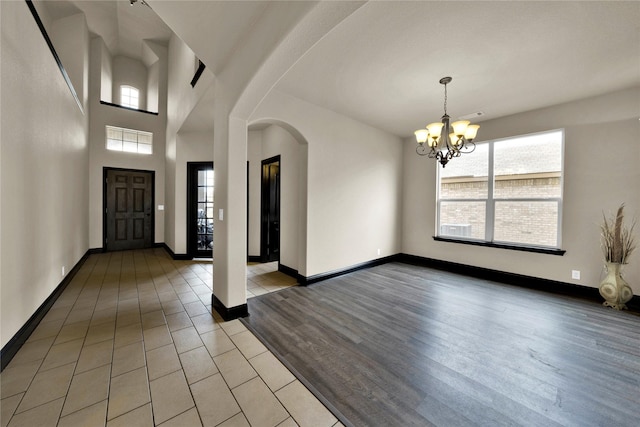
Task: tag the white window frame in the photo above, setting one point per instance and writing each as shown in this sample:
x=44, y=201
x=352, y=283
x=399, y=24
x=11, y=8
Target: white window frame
x=490, y=200
x=126, y=99
x=137, y=139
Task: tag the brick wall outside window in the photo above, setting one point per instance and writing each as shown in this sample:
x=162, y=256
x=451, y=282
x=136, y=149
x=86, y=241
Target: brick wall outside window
x=515, y=221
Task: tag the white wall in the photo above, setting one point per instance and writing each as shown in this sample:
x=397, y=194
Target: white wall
x=602, y=155
x=153, y=87
x=271, y=142
x=69, y=36
x=182, y=99
x=150, y=59
x=44, y=191
x=100, y=157
x=254, y=156
x=106, y=69
x=130, y=72
x=354, y=184
x=191, y=147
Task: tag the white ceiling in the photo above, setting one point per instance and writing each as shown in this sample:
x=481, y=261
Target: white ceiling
x=122, y=26
x=211, y=28
x=382, y=64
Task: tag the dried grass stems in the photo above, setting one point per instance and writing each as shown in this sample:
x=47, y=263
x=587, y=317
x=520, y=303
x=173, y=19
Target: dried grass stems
x=617, y=239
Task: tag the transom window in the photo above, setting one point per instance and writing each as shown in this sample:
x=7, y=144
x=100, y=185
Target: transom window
x=507, y=191
x=129, y=97
x=129, y=140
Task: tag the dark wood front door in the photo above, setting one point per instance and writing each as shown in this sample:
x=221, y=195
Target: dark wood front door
x=270, y=223
x=200, y=185
x=128, y=214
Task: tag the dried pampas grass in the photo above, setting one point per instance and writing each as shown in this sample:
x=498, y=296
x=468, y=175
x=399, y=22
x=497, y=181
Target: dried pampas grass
x=617, y=239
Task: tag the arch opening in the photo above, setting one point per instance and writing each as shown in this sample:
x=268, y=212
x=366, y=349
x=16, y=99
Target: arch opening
x=269, y=139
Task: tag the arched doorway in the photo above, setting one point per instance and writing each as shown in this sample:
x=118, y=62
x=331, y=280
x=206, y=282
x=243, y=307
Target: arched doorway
x=273, y=141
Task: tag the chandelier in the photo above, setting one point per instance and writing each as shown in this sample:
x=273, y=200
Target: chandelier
x=446, y=140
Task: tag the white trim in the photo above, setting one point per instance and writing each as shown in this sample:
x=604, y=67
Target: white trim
x=490, y=201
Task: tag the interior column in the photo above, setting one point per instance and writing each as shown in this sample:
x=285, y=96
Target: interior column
x=229, y=297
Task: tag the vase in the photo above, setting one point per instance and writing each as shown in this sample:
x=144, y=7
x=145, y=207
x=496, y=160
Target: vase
x=614, y=289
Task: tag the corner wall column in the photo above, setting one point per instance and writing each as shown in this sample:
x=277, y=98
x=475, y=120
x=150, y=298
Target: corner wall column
x=229, y=297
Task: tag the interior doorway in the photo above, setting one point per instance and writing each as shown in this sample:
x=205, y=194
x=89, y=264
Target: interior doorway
x=200, y=185
x=270, y=210
x=128, y=216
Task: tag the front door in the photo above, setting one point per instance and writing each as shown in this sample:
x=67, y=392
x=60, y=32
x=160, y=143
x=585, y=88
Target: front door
x=200, y=186
x=270, y=223
x=128, y=213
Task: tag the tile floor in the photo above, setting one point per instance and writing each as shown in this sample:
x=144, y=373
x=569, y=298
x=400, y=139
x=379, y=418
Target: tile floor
x=264, y=278
x=132, y=342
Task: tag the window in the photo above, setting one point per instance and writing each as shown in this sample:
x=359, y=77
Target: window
x=199, y=68
x=507, y=191
x=204, y=199
x=129, y=97
x=129, y=140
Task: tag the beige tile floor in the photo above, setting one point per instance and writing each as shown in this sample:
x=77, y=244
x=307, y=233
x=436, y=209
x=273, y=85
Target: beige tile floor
x=265, y=278
x=132, y=342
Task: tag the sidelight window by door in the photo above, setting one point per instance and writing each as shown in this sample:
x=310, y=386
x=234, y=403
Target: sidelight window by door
x=204, y=225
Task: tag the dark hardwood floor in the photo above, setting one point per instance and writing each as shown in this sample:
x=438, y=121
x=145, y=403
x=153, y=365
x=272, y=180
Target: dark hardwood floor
x=401, y=345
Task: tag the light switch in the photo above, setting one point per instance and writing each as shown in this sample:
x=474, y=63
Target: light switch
x=220, y=214
x=160, y=207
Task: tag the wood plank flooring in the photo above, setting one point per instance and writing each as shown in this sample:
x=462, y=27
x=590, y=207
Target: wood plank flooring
x=401, y=345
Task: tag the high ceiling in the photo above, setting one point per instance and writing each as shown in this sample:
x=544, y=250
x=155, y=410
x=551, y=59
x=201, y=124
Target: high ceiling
x=382, y=64
x=122, y=26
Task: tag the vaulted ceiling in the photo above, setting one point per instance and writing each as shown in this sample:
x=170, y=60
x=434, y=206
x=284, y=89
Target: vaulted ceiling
x=382, y=64
x=122, y=26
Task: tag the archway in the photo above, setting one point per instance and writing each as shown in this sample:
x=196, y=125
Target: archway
x=268, y=138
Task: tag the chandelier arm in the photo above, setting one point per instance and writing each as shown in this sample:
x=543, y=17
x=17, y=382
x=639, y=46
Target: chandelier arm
x=468, y=147
x=451, y=154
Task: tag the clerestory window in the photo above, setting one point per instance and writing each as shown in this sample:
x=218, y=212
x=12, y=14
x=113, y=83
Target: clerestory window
x=129, y=140
x=129, y=97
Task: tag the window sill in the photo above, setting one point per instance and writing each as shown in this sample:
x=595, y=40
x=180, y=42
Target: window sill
x=111, y=104
x=540, y=250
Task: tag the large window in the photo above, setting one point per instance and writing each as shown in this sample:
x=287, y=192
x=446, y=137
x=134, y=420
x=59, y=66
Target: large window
x=129, y=97
x=129, y=140
x=507, y=191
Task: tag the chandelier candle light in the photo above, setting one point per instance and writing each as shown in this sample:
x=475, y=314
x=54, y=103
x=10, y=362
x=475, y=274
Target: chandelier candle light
x=456, y=139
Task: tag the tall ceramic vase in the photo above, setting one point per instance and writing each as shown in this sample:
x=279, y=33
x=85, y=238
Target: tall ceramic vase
x=614, y=289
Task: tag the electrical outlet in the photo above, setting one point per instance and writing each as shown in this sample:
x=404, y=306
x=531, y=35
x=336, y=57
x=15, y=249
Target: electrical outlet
x=575, y=274
x=63, y=271
x=378, y=251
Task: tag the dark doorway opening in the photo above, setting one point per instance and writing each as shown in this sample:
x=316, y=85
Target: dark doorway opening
x=200, y=184
x=270, y=210
x=128, y=209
